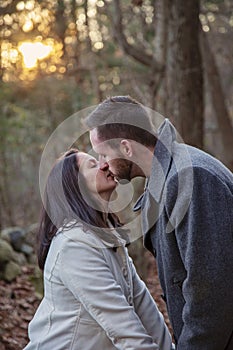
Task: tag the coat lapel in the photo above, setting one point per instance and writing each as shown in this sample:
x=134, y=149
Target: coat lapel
x=150, y=201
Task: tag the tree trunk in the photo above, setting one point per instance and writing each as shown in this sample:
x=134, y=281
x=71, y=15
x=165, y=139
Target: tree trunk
x=158, y=88
x=218, y=103
x=60, y=22
x=91, y=60
x=184, y=82
x=1, y=67
x=184, y=71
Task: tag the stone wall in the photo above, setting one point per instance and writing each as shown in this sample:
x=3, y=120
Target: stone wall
x=17, y=248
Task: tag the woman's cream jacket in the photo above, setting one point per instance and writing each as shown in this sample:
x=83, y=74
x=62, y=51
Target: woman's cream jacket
x=94, y=299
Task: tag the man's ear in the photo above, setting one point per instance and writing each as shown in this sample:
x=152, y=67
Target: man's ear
x=126, y=148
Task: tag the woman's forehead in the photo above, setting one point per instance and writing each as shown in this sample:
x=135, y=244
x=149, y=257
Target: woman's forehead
x=84, y=157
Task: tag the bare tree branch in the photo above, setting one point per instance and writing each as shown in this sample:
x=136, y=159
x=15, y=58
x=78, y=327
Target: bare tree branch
x=9, y=9
x=137, y=53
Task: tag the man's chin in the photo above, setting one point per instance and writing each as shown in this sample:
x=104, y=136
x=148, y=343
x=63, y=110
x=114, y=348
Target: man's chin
x=122, y=177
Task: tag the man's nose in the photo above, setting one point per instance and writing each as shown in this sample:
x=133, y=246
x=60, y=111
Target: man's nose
x=103, y=165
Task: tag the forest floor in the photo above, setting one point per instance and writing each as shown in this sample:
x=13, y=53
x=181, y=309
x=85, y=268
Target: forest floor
x=19, y=300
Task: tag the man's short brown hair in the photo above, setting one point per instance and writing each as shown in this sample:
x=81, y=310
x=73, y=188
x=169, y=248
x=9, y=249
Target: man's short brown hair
x=122, y=117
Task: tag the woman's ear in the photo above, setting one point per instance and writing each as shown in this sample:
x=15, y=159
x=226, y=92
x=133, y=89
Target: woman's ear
x=126, y=148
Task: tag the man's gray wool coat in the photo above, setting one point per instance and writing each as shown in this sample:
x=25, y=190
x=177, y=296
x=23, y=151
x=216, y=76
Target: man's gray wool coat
x=187, y=222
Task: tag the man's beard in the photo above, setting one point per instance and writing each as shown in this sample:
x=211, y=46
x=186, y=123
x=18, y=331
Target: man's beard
x=123, y=169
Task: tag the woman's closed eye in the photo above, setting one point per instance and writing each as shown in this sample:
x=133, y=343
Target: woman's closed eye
x=93, y=163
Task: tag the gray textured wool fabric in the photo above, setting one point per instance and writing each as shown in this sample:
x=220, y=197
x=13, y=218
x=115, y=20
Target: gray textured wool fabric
x=187, y=222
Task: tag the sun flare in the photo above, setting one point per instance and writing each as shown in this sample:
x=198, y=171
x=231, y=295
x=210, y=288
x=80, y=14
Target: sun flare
x=32, y=52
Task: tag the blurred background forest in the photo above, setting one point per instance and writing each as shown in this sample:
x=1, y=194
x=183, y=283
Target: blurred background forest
x=58, y=57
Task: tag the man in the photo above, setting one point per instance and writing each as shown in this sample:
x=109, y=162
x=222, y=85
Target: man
x=187, y=218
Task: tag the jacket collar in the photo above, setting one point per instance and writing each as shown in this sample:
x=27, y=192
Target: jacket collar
x=103, y=237
x=160, y=164
x=161, y=160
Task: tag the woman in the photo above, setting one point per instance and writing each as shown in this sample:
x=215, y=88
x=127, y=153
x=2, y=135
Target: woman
x=93, y=297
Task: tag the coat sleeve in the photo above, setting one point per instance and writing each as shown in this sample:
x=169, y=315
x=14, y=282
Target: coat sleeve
x=149, y=314
x=87, y=275
x=205, y=241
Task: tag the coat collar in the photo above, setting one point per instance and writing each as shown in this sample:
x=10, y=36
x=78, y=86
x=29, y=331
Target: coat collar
x=102, y=238
x=167, y=154
x=160, y=164
x=161, y=160
x=151, y=209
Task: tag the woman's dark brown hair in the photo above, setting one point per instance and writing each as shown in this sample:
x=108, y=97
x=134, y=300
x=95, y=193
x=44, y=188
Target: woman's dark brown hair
x=64, y=202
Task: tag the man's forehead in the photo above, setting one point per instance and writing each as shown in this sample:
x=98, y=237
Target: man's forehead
x=98, y=146
x=93, y=135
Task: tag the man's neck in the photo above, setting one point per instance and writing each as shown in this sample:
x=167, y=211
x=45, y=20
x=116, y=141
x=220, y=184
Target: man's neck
x=143, y=157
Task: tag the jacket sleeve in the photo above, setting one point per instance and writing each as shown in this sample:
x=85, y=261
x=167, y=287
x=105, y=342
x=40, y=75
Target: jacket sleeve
x=205, y=241
x=87, y=275
x=149, y=314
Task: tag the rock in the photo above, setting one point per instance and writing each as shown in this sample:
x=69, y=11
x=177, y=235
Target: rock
x=6, y=251
x=12, y=270
x=37, y=281
x=31, y=233
x=14, y=235
x=19, y=258
x=26, y=249
x=32, y=259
